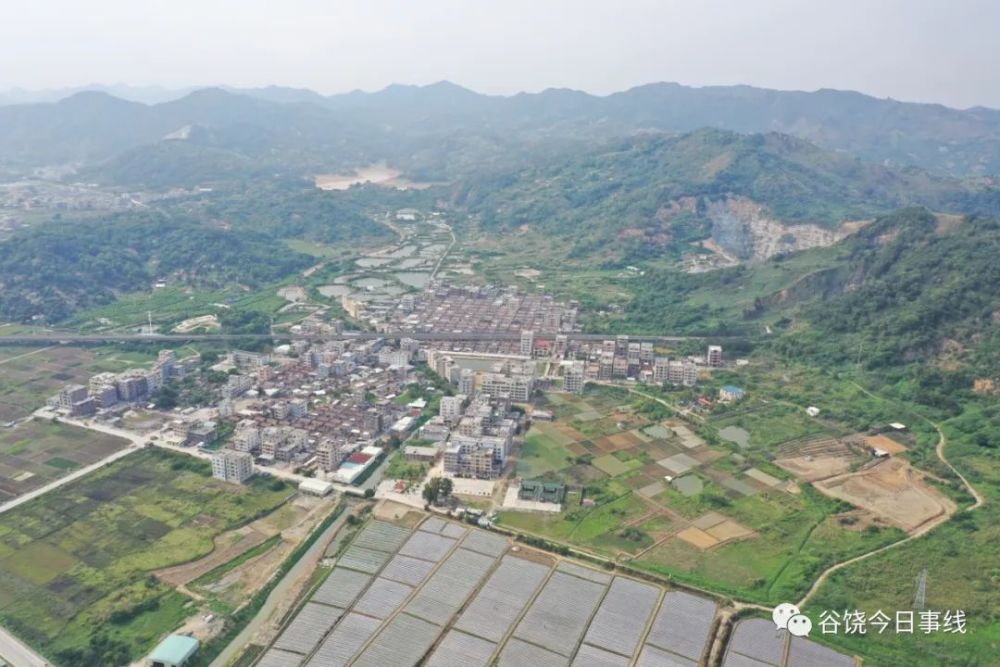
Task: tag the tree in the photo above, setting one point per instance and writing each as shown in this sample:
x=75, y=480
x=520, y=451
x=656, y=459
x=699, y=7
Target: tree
x=431, y=489
x=445, y=487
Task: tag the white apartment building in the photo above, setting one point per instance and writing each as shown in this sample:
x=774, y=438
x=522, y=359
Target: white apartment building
x=232, y=466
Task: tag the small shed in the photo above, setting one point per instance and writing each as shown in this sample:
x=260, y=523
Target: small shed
x=174, y=651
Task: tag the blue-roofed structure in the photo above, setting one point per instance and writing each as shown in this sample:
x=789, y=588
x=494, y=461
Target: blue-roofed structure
x=174, y=651
x=731, y=393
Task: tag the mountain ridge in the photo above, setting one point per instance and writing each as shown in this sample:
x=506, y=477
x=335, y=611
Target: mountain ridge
x=933, y=136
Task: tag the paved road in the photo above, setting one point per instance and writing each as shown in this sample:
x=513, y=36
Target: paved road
x=14, y=651
x=302, y=568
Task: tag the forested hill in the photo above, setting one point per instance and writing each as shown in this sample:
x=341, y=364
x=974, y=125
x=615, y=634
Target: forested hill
x=912, y=286
x=53, y=269
x=221, y=239
x=647, y=195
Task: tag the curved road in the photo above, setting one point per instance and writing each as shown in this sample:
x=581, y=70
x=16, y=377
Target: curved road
x=939, y=450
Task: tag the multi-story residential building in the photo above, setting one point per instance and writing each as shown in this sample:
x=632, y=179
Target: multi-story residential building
x=243, y=359
x=517, y=387
x=619, y=368
x=131, y=388
x=561, y=346
x=451, y=408
x=527, y=342
x=621, y=345
x=683, y=372
x=714, y=356
x=330, y=453
x=646, y=353
x=232, y=466
x=482, y=457
x=632, y=354
x=246, y=437
x=237, y=385
x=202, y=433
x=467, y=382
x=71, y=395
x=605, y=367
x=661, y=368
x=297, y=408
x=573, y=379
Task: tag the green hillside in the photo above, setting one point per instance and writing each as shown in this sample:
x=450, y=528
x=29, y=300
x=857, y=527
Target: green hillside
x=651, y=196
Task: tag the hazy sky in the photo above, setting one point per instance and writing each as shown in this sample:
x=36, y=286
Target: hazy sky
x=923, y=50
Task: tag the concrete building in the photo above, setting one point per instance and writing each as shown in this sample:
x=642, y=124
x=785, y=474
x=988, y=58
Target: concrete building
x=298, y=408
x=467, y=382
x=232, y=466
x=202, y=433
x=573, y=379
x=246, y=437
x=131, y=388
x=714, y=356
x=518, y=387
x=243, y=359
x=237, y=385
x=451, y=408
x=682, y=373
x=527, y=342
x=71, y=395
x=661, y=366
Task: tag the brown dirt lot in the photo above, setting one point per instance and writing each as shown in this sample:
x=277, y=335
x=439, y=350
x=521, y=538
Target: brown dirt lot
x=729, y=530
x=814, y=468
x=227, y=547
x=893, y=491
x=569, y=431
x=705, y=455
x=625, y=440
x=697, y=538
x=886, y=443
x=706, y=521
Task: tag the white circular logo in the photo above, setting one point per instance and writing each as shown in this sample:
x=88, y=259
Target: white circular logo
x=782, y=613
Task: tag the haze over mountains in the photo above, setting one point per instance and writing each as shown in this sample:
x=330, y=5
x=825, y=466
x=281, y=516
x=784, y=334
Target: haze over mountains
x=400, y=123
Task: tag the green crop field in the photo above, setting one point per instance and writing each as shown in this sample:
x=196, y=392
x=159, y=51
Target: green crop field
x=76, y=566
x=541, y=453
x=38, y=451
x=29, y=375
x=774, y=541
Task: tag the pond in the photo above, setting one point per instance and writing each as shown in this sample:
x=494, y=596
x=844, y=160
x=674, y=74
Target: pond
x=370, y=262
x=413, y=278
x=333, y=290
x=737, y=435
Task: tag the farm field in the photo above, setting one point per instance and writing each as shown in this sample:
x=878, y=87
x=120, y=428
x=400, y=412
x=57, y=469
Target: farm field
x=654, y=493
x=29, y=375
x=38, y=451
x=76, y=568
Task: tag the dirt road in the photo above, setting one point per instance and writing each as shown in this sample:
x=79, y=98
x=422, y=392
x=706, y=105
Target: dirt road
x=923, y=530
